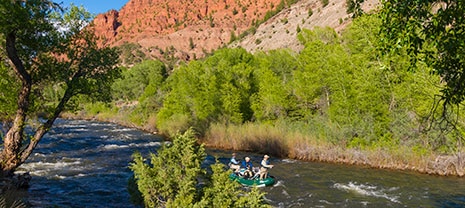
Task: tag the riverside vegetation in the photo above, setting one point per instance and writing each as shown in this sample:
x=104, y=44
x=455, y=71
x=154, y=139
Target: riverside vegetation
x=337, y=100
x=175, y=178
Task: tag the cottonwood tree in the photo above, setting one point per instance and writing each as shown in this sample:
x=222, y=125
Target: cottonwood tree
x=46, y=47
x=431, y=32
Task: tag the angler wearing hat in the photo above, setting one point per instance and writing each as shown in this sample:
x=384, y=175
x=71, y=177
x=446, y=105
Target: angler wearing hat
x=265, y=165
x=234, y=164
x=247, y=165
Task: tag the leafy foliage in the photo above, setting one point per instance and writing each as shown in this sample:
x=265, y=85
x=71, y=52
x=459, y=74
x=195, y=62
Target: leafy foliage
x=54, y=58
x=430, y=31
x=208, y=91
x=141, y=81
x=273, y=98
x=9, y=88
x=174, y=178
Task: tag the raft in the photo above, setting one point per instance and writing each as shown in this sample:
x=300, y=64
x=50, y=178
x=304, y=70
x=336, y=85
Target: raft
x=254, y=181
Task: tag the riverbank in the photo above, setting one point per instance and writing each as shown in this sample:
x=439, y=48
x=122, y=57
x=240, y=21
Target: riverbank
x=282, y=143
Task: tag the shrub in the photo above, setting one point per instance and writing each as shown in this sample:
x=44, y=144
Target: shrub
x=325, y=2
x=159, y=182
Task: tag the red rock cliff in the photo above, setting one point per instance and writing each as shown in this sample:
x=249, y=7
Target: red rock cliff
x=191, y=27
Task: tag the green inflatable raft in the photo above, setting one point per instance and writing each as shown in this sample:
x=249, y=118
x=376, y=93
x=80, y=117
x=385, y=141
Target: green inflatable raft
x=254, y=181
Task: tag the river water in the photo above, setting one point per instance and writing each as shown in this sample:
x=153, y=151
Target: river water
x=85, y=164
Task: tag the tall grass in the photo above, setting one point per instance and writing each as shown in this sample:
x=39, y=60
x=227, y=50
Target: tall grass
x=281, y=139
x=313, y=143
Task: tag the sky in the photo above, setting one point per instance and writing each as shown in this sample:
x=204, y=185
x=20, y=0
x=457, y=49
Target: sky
x=95, y=6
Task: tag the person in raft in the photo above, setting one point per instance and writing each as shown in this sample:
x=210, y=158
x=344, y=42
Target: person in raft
x=247, y=165
x=265, y=165
x=233, y=163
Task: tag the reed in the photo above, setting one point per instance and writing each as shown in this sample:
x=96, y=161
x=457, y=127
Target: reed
x=177, y=123
x=288, y=142
x=263, y=138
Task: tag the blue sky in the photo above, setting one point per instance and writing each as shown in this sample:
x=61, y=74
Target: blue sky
x=95, y=6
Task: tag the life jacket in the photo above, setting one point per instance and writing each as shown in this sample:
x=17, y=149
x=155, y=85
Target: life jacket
x=267, y=162
x=247, y=165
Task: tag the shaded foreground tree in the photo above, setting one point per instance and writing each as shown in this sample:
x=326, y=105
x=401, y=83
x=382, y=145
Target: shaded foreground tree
x=47, y=49
x=175, y=178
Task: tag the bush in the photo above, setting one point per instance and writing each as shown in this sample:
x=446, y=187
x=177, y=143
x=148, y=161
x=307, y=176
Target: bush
x=325, y=2
x=159, y=182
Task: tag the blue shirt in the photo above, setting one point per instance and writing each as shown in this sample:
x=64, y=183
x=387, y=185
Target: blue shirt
x=247, y=165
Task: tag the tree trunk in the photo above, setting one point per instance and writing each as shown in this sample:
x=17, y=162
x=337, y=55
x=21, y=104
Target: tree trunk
x=13, y=139
x=44, y=128
x=14, y=154
x=10, y=159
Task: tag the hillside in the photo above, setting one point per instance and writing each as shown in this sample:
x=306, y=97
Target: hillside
x=281, y=30
x=190, y=29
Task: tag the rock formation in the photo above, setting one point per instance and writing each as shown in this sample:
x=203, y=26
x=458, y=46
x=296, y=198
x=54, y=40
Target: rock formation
x=191, y=28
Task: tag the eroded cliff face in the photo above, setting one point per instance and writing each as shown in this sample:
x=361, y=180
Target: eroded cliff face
x=186, y=28
x=106, y=26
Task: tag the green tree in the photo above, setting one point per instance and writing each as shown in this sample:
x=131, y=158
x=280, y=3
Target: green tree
x=390, y=101
x=340, y=82
x=432, y=32
x=174, y=178
x=45, y=48
x=140, y=81
x=234, y=72
x=318, y=71
x=9, y=87
x=273, y=76
x=217, y=88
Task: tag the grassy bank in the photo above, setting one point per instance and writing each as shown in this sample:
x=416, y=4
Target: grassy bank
x=287, y=143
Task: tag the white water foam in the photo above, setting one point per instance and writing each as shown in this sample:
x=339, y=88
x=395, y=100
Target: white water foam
x=367, y=190
x=54, y=165
x=150, y=144
x=122, y=130
x=325, y=202
x=100, y=124
x=113, y=146
x=122, y=146
x=39, y=155
x=81, y=175
x=279, y=183
x=59, y=177
x=284, y=192
x=82, y=126
x=289, y=161
x=45, y=168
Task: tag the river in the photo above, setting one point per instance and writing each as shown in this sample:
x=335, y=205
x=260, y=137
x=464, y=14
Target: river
x=85, y=164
